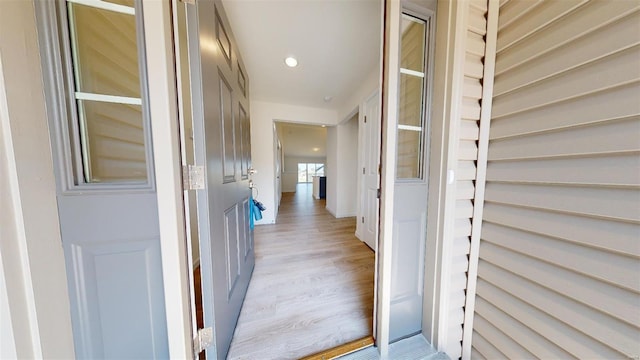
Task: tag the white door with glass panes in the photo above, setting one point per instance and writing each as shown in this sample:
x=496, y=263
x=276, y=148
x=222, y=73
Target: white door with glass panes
x=410, y=203
x=95, y=81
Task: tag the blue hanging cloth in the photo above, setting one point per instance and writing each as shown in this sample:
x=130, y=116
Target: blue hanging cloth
x=255, y=212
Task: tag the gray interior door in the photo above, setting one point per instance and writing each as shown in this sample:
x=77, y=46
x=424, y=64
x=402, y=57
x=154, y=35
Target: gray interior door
x=106, y=193
x=410, y=203
x=222, y=145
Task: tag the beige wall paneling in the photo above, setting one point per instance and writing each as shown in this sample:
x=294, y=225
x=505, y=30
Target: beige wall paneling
x=468, y=185
x=557, y=274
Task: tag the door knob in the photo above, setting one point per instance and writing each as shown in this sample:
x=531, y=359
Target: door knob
x=252, y=171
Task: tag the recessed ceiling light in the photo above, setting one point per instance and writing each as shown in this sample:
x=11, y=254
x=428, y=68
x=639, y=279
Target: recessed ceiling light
x=291, y=61
x=316, y=149
x=328, y=98
x=324, y=125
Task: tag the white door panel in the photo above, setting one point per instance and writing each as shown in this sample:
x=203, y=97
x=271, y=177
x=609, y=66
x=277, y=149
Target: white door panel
x=370, y=204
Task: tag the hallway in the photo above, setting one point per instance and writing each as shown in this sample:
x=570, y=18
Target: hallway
x=312, y=287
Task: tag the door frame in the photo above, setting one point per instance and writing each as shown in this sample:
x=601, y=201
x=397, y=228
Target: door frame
x=47, y=322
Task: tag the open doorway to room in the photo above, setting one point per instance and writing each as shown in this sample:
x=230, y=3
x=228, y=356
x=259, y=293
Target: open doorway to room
x=313, y=285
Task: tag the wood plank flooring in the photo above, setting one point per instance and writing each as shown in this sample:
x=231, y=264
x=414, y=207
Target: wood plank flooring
x=312, y=287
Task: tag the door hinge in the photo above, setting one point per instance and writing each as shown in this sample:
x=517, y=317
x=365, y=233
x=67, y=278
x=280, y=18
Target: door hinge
x=193, y=177
x=203, y=340
x=363, y=219
x=363, y=171
x=379, y=168
x=378, y=195
x=365, y=119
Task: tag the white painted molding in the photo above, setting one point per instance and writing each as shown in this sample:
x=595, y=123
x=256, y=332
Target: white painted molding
x=108, y=98
x=166, y=151
x=30, y=243
x=105, y=5
x=387, y=177
x=481, y=174
x=460, y=13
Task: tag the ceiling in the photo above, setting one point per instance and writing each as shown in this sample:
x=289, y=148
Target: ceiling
x=302, y=140
x=336, y=42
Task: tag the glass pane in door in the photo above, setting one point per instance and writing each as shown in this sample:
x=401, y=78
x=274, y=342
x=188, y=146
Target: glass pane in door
x=411, y=99
x=113, y=142
x=105, y=51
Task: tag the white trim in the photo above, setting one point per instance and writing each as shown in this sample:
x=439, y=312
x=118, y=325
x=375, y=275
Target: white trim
x=108, y=98
x=411, y=72
x=166, y=150
x=104, y=5
x=448, y=75
x=387, y=177
x=409, y=127
x=461, y=10
x=481, y=174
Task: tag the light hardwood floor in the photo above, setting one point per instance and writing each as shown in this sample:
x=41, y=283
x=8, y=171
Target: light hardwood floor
x=312, y=287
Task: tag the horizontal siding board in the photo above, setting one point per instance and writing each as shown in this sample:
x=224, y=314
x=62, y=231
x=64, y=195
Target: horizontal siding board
x=499, y=339
x=466, y=170
x=514, y=10
x=462, y=227
x=580, y=111
x=485, y=348
x=461, y=245
x=477, y=21
x=536, y=19
x=588, y=18
x=469, y=130
x=537, y=345
x=613, y=333
x=470, y=109
x=559, y=333
x=479, y=4
x=589, y=286
x=476, y=355
x=611, y=39
x=468, y=150
x=608, y=203
x=465, y=190
x=617, y=69
x=604, y=170
x=475, y=44
x=473, y=66
x=457, y=299
x=622, y=238
x=609, y=137
x=464, y=209
x=472, y=88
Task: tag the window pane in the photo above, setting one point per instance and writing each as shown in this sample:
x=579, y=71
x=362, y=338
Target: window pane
x=104, y=47
x=311, y=170
x=302, y=173
x=320, y=169
x=112, y=142
x=410, y=105
x=408, y=162
x=412, y=44
x=411, y=99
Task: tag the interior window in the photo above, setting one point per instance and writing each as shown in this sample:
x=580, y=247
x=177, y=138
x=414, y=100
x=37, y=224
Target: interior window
x=306, y=171
x=107, y=90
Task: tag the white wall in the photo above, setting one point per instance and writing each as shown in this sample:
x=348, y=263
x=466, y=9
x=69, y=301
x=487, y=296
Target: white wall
x=263, y=115
x=290, y=175
x=7, y=339
x=342, y=163
x=30, y=244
